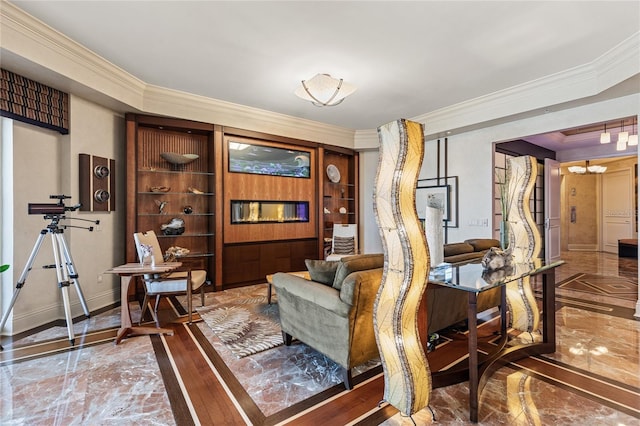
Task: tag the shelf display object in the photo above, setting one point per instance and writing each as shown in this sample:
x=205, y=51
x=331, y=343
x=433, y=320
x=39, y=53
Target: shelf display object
x=339, y=192
x=170, y=187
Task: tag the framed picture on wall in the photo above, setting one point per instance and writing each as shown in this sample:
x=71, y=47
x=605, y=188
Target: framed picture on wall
x=444, y=190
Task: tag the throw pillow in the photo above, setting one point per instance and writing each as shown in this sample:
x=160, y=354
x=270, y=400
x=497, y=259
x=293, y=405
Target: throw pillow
x=356, y=263
x=322, y=271
x=344, y=245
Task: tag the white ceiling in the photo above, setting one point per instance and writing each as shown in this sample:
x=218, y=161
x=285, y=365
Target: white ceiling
x=406, y=58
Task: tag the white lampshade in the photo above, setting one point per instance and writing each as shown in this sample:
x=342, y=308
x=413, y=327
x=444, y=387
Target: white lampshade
x=633, y=140
x=621, y=145
x=577, y=169
x=324, y=90
x=623, y=137
x=605, y=137
x=596, y=169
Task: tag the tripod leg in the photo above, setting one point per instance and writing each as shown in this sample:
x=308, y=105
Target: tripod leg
x=73, y=275
x=63, y=283
x=23, y=277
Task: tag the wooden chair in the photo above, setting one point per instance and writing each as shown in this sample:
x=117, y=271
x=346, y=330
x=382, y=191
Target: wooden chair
x=344, y=241
x=173, y=283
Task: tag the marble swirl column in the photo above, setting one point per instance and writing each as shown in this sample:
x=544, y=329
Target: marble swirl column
x=525, y=244
x=407, y=376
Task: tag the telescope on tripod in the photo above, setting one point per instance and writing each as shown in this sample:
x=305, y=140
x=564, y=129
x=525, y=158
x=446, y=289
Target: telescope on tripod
x=65, y=269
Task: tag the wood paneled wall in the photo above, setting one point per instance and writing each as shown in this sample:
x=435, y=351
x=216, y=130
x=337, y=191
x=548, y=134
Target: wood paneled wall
x=245, y=186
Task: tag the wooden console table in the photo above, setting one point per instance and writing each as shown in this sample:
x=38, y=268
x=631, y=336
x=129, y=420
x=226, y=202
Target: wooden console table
x=469, y=278
x=127, y=272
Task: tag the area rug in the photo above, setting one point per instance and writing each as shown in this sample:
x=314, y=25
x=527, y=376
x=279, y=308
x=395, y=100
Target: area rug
x=604, y=285
x=246, y=326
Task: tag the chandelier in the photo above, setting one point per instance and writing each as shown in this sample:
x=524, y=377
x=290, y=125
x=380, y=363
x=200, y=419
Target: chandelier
x=324, y=90
x=587, y=168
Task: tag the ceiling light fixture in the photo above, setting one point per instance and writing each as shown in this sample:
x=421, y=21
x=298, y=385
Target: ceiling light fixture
x=324, y=90
x=633, y=139
x=577, y=170
x=605, y=137
x=587, y=168
x=623, y=136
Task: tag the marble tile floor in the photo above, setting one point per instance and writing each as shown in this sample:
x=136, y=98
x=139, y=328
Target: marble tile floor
x=107, y=384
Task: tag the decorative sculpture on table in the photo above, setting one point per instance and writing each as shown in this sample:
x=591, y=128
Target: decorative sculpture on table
x=524, y=244
x=434, y=231
x=174, y=227
x=406, y=268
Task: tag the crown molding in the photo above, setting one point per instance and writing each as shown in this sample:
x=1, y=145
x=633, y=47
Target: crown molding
x=160, y=100
x=82, y=70
x=33, y=40
x=613, y=67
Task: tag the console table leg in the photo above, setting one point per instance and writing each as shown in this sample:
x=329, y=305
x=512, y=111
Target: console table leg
x=549, y=308
x=473, y=357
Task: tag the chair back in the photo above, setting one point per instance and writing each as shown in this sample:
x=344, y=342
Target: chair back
x=345, y=238
x=148, y=238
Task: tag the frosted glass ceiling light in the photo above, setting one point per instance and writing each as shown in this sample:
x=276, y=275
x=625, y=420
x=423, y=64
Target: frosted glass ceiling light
x=622, y=137
x=633, y=139
x=324, y=90
x=596, y=169
x=605, y=137
x=587, y=168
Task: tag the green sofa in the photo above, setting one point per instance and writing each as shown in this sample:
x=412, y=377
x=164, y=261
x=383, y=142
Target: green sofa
x=333, y=312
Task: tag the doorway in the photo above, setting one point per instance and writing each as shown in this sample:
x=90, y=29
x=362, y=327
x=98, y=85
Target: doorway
x=598, y=209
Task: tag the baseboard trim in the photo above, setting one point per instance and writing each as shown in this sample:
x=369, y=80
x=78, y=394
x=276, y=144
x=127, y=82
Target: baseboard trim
x=55, y=313
x=582, y=247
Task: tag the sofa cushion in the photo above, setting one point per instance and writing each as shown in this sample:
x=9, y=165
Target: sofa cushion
x=344, y=245
x=359, y=262
x=464, y=257
x=482, y=244
x=457, y=248
x=322, y=271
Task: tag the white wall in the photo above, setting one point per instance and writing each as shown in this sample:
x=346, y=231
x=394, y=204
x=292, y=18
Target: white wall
x=470, y=158
x=45, y=163
x=101, y=132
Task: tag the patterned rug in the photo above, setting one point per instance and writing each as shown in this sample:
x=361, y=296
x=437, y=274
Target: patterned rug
x=604, y=285
x=246, y=326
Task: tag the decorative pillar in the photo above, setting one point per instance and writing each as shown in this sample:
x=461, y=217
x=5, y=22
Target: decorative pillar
x=524, y=243
x=407, y=379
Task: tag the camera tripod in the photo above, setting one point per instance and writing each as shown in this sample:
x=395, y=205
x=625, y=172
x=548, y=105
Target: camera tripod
x=66, y=273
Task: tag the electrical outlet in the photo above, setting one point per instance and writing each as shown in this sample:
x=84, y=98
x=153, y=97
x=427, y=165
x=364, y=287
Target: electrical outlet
x=97, y=228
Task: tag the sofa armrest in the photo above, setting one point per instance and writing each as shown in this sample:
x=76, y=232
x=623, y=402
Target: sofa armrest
x=361, y=286
x=322, y=295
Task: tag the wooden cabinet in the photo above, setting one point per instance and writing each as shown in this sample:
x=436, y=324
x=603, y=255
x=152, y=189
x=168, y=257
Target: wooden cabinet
x=339, y=191
x=171, y=186
x=241, y=219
